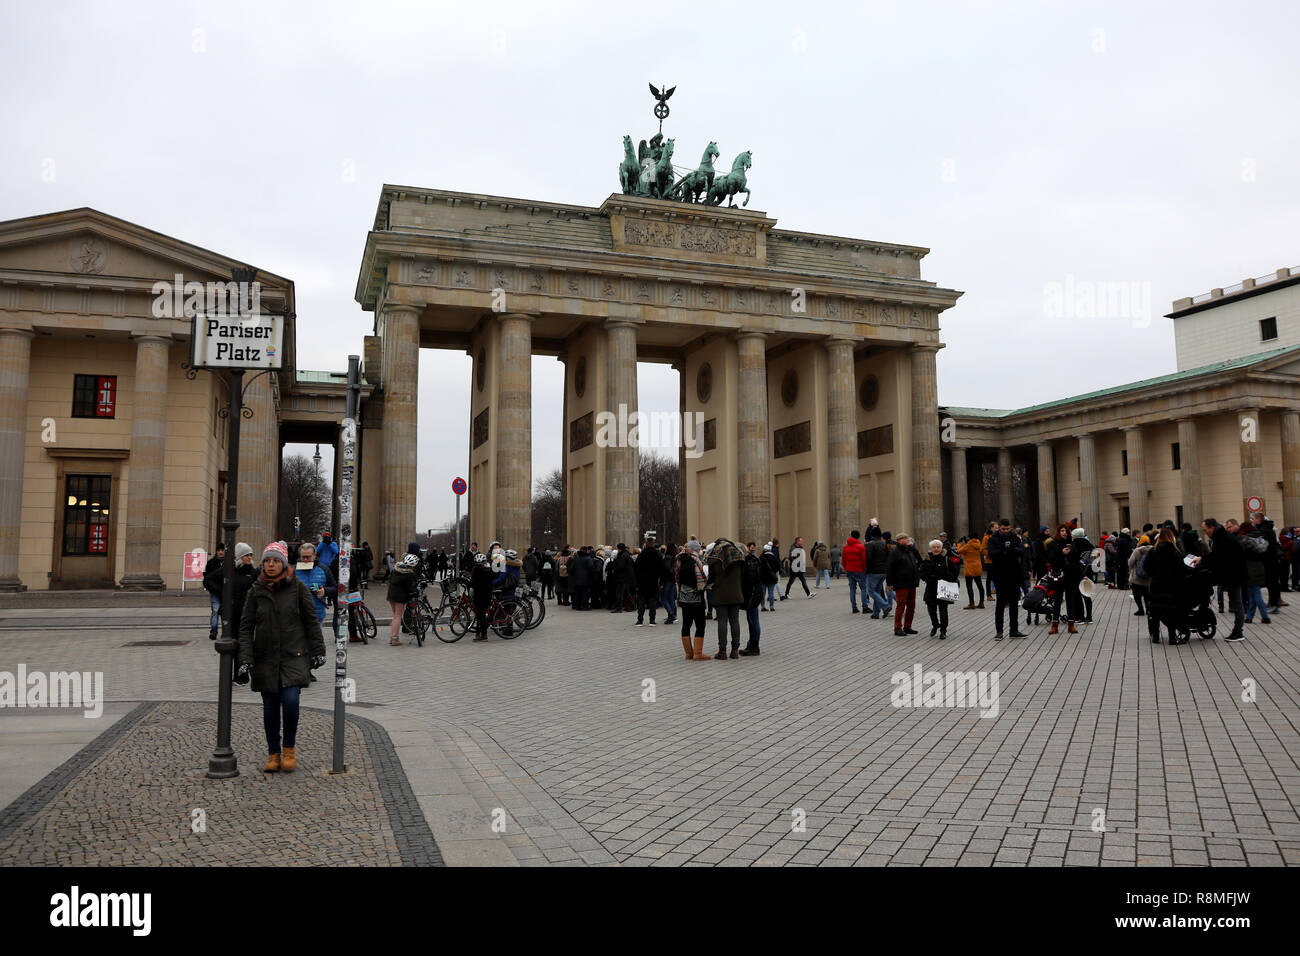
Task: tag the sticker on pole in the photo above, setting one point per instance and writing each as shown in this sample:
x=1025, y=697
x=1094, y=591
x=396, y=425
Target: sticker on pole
x=1254, y=503
x=459, y=486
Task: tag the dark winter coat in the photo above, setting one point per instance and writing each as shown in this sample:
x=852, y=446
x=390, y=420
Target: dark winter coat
x=1164, y=566
x=1256, y=575
x=1005, y=553
x=480, y=582
x=649, y=568
x=904, y=570
x=621, y=569
x=725, y=582
x=877, y=556
x=245, y=575
x=751, y=581
x=770, y=566
x=214, y=575
x=279, y=634
x=935, y=568
x=531, y=566
x=580, y=571
x=1226, y=559
x=403, y=585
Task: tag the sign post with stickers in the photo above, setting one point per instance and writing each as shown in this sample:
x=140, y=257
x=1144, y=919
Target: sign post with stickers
x=343, y=688
x=227, y=343
x=458, y=488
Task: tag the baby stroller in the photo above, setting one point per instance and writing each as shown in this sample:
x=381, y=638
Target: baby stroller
x=1192, y=612
x=1042, y=597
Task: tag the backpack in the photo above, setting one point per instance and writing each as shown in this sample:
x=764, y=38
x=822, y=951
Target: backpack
x=1140, y=569
x=1253, y=544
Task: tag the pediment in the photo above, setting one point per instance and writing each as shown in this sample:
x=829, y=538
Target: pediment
x=85, y=245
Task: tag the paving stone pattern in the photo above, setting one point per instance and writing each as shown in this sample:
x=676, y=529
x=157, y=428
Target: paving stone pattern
x=130, y=796
x=552, y=729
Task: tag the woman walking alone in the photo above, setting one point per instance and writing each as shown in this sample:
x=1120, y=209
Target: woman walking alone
x=937, y=567
x=280, y=644
x=972, y=566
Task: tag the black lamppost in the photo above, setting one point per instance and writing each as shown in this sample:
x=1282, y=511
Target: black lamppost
x=223, y=762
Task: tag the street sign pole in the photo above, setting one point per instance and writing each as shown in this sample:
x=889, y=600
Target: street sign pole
x=348, y=447
x=458, y=533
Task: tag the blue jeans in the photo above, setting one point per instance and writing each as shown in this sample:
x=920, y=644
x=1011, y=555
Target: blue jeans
x=668, y=598
x=1255, y=598
x=214, y=601
x=818, y=582
x=755, y=628
x=876, y=588
x=769, y=592
x=272, y=702
x=857, y=579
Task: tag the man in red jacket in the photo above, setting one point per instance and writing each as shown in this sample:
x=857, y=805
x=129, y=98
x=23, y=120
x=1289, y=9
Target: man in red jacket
x=854, y=558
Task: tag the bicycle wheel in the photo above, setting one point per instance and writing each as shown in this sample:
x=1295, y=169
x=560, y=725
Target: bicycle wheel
x=366, y=625
x=509, y=620
x=537, y=610
x=421, y=626
x=462, y=618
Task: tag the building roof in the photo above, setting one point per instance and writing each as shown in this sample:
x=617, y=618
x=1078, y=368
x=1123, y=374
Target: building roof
x=1172, y=377
x=308, y=376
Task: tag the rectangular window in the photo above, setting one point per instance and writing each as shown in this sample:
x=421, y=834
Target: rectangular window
x=1179, y=516
x=1123, y=460
x=1268, y=328
x=94, y=396
x=85, y=514
x=1177, y=452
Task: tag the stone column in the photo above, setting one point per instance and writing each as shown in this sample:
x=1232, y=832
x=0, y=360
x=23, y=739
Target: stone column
x=401, y=390
x=1290, y=468
x=144, y=506
x=1047, y=513
x=960, y=494
x=1189, y=454
x=1249, y=426
x=1006, y=489
x=622, y=478
x=258, y=466
x=1090, y=507
x=752, y=459
x=841, y=436
x=927, y=485
x=513, y=460
x=15, y=371
x=1138, y=503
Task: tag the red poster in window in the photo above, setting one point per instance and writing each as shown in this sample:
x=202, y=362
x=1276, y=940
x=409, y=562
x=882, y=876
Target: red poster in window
x=106, y=396
x=98, y=539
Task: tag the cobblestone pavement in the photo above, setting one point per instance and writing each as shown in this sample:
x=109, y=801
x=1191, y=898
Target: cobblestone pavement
x=138, y=796
x=556, y=734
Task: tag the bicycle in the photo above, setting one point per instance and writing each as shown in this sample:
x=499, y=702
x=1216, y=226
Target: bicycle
x=508, y=619
x=360, y=621
x=537, y=607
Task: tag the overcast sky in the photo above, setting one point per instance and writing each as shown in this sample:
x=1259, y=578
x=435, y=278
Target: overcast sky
x=1025, y=144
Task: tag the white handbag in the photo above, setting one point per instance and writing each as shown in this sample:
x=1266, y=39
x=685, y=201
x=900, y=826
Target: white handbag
x=947, y=591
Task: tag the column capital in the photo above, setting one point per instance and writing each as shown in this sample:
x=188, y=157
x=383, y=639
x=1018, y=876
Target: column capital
x=751, y=334
x=1045, y=443
x=397, y=308
x=24, y=333
x=621, y=322
x=526, y=316
x=1083, y=435
x=927, y=346
x=1131, y=428
x=152, y=337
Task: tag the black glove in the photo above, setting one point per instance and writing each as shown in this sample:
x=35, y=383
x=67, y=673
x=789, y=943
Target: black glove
x=243, y=674
x=317, y=661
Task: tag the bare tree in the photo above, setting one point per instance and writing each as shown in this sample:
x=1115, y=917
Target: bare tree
x=548, y=500
x=305, y=494
x=660, y=496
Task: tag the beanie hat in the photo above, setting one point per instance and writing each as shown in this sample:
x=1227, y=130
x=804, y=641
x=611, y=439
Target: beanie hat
x=694, y=545
x=854, y=533
x=1078, y=533
x=276, y=549
x=241, y=549
x=767, y=548
x=413, y=548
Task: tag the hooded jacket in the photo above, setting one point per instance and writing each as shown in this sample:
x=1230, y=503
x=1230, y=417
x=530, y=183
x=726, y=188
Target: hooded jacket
x=877, y=555
x=508, y=579
x=725, y=580
x=854, y=556
x=649, y=569
x=279, y=633
x=1226, y=560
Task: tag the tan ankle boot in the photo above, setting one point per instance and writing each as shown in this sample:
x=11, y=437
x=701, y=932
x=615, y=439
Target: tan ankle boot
x=290, y=761
x=272, y=764
x=1073, y=629
x=1054, y=628
x=690, y=651
x=699, y=654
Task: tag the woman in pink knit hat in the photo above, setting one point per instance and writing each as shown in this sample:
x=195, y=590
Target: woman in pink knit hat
x=280, y=644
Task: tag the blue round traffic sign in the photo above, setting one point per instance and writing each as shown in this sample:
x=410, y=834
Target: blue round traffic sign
x=458, y=486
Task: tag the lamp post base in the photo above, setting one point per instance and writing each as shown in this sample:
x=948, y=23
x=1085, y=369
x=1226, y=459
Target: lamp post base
x=222, y=766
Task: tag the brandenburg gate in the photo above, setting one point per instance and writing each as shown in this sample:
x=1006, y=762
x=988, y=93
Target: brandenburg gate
x=808, y=359
x=811, y=358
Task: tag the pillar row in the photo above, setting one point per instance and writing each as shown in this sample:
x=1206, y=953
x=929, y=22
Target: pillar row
x=622, y=477
x=960, y=494
x=752, y=458
x=1249, y=426
x=927, y=486
x=1189, y=454
x=1047, y=509
x=401, y=388
x=1006, y=496
x=1090, y=507
x=842, y=458
x=513, y=462
x=15, y=373
x=1290, y=468
x=148, y=455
